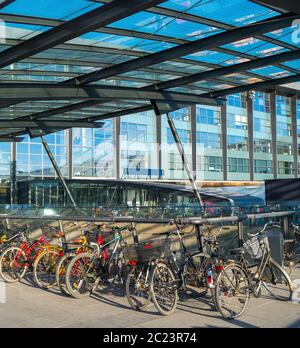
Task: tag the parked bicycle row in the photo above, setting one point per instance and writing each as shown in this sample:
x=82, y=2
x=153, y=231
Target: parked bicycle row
x=151, y=272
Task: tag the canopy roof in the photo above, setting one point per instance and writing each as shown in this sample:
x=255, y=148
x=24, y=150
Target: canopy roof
x=73, y=63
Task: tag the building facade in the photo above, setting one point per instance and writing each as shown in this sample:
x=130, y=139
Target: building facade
x=253, y=137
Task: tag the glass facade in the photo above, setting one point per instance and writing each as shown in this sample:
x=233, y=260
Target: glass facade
x=95, y=153
x=262, y=137
x=285, y=159
x=138, y=149
x=33, y=161
x=171, y=161
x=209, y=143
x=4, y=160
x=237, y=138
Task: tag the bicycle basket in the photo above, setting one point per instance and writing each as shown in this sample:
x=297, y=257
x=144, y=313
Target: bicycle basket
x=143, y=252
x=254, y=246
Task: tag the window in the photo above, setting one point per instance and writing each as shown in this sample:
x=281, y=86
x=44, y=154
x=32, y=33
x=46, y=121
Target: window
x=286, y=168
x=238, y=165
x=208, y=116
x=262, y=145
x=181, y=115
x=211, y=164
x=184, y=135
x=237, y=143
x=263, y=167
x=284, y=148
x=210, y=140
x=237, y=121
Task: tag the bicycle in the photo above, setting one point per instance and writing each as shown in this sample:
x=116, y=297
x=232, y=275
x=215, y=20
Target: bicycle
x=142, y=258
x=16, y=237
x=239, y=279
x=198, y=269
x=80, y=245
x=292, y=248
x=85, y=271
x=45, y=264
x=16, y=260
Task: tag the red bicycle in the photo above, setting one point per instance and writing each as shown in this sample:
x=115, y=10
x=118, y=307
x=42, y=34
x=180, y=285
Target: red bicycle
x=16, y=260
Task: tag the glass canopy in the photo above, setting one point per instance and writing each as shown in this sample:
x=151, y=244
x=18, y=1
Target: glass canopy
x=56, y=63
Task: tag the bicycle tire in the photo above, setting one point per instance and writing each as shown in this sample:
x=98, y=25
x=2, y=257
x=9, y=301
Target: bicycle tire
x=137, y=302
x=85, y=285
x=277, y=281
x=3, y=262
x=60, y=274
x=162, y=272
x=226, y=288
x=45, y=262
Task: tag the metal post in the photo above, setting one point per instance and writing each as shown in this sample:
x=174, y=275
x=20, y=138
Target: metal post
x=182, y=154
x=70, y=153
x=118, y=147
x=250, y=135
x=158, y=141
x=294, y=133
x=224, y=140
x=193, y=111
x=274, y=132
x=13, y=175
x=57, y=170
x=241, y=233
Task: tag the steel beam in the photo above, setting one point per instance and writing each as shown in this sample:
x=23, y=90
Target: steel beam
x=46, y=91
x=58, y=172
x=7, y=139
x=190, y=48
x=47, y=125
x=6, y=3
x=236, y=68
x=76, y=27
x=253, y=86
x=143, y=35
x=182, y=155
x=281, y=5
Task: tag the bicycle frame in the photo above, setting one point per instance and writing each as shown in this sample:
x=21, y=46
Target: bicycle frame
x=28, y=249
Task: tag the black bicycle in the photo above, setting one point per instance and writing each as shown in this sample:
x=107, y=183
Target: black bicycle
x=292, y=248
x=242, y=277
x=179, y=274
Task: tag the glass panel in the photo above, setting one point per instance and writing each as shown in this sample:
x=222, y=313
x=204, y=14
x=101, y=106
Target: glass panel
x=235, y=12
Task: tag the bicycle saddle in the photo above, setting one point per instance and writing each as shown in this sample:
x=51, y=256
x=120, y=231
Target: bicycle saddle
x=58, y=235
x=237, y=251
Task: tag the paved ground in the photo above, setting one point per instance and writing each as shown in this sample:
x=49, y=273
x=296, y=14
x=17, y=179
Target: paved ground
x=27, y=306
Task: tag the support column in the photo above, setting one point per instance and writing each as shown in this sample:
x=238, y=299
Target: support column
x=224, y=140
x=294, y=133
x=274, y=132
x=118, y=147
x=193, y=113
x=182, y=154
x=13, y=173
x=250, y=137
x=57, y=170
x=70, y=153
x=158, y=141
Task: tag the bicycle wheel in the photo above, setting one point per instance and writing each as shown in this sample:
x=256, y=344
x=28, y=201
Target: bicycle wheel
x=60, y=274
x=232, y=291
x=81, y=275
x=44, y=268
x=163, y=288
x=13, y=264
x=137, y=287
x=277, y=281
